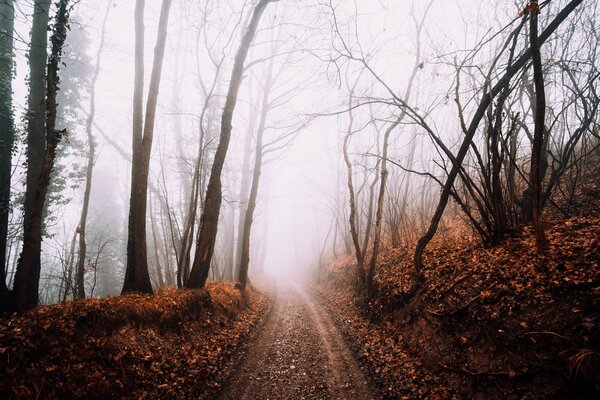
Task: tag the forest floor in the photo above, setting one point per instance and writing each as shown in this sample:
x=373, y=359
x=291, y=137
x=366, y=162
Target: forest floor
x=488, y=323
x=298, y=353
x=177, y=344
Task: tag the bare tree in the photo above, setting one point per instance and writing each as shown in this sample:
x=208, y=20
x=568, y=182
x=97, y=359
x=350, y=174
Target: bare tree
x=538, y=136
x=195, y=201
x=7, y=132
x=91, y=159
x=210, y=215
x=352, y=218
x=470, y=131
x=136, y=275
x=384, y=156
x=269, y=102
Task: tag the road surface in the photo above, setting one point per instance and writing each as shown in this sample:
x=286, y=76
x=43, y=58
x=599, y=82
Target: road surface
x=297, y=354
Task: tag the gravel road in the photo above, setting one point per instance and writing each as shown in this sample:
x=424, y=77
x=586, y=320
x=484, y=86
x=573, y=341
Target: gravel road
x=297, y=354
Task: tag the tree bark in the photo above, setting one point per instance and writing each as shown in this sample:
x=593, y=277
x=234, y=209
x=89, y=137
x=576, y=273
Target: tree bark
x=7, y=132
x=538, y=133
x=210, y=215
x=28, y=269
x=35, y=138
x=137, y=278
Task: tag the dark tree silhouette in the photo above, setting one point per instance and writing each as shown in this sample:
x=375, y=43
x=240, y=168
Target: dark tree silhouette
x=27, y=275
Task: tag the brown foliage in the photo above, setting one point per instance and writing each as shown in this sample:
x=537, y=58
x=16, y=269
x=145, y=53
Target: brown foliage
x=177, y=343
x=498, y=322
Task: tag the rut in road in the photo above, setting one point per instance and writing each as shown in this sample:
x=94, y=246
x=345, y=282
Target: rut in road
x=298, y=354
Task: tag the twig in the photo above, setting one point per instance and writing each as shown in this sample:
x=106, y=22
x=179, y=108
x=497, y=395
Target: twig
x=544, y=333
x=509, y=374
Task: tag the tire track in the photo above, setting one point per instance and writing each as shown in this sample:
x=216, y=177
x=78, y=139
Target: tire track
x=298, y=354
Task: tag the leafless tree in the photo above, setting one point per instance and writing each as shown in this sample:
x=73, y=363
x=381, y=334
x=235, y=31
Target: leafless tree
x=91, y=158
x=136, y=275
x=205, y=244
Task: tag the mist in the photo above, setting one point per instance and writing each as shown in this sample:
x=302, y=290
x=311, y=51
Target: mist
x=331, y=70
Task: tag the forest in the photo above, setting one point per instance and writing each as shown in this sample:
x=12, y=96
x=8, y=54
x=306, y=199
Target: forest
x=284, y=199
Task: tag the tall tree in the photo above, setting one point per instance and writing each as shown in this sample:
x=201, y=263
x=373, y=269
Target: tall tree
x=359, y=252
x=244, y=188
x=212, y=205
x=384, y=156
x=27, y=275
x=35, y=118
x=7, y=129
x=91, y=158
x=538, y=132
x=35, y=123
x=251, y=205
x=137, y=278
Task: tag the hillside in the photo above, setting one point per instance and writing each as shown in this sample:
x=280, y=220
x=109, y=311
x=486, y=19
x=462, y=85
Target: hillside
x=176, y=344
x=488, y=323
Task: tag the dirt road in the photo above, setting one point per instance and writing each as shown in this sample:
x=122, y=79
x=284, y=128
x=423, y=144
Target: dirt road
x=297, y=354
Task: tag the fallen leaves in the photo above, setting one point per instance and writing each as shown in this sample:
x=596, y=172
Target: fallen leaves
x=490, y=316
x=176, y=344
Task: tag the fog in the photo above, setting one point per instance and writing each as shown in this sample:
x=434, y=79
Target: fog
x=315, y=52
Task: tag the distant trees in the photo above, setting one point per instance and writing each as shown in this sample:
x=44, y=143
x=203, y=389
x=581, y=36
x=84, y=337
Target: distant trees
x=7, y=131
x=502, y=134
x=485, y=173
x=137, y=278
x=205, y=244
x=91, y=159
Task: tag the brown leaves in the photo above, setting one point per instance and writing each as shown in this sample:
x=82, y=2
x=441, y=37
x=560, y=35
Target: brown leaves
x=486, y=314
x=174, y=344
x=532, y=7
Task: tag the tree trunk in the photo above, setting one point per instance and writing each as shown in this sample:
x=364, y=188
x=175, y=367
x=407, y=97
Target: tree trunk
x=183, y=261
x=137, y=278
x=230, y=247
x=68, y=271
x=245, y=184
x=35, y=137
x=7, y=132
x=210, y=214
x=156, y=242
x=379, y=212
x=538, y=133
x=90, y=166
x=28, y=269
x=251, y=206
x=360, y=272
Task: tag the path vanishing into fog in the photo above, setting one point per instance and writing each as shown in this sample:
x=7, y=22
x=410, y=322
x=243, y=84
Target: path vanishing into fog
x=298, y=353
